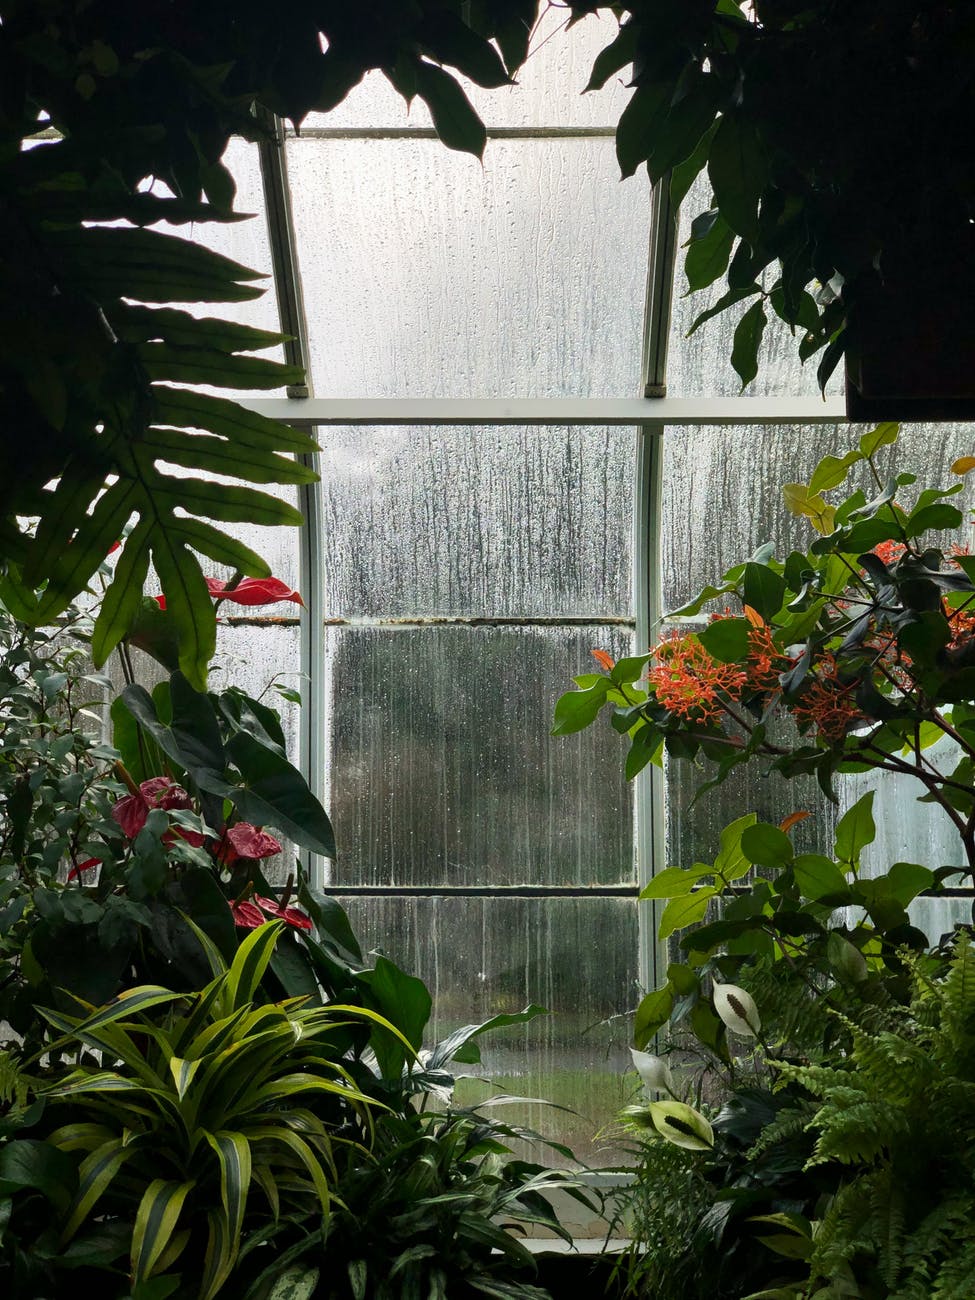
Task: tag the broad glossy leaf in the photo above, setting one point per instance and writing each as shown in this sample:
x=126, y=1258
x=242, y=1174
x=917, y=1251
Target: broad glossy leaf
x=707, y=259
x=747, y=341
x=274, y=793
x=855, y=829
x=30, y=1163
x=673, y=882
x=685, y=910
x=578, y=709
x=200, y=365
x=818, y=877
x=181, y=408
x=651, y=1015
x=766, y=845
x=201, y=451
x=455, y=1047
x=95, y=1174
x=737, y=166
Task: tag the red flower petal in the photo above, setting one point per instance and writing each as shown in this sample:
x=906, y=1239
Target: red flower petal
x=290, y=915
x=247, y=841
x=161, y=792
x=246, y=915
x=87, y=865
x=254, y=591
x=131, y=813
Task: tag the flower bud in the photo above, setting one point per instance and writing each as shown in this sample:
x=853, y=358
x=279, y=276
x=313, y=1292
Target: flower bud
x=737, y=1009
x=654, y=1071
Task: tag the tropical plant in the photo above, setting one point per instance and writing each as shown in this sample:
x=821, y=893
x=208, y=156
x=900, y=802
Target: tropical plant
x=811, y=1025
x=897, y=1113
x=863, y=642
x=178, y=1116
x=833, y=198
x=430, y=1211
x=114, y=120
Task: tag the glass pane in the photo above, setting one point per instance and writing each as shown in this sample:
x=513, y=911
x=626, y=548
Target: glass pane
x=701, y=365
x=484, y=956
x=723, y=490
x=548, y=91
x=428, y=275
x=257, y=655
x=722, y=500
x=477, y=521
x=442, y=768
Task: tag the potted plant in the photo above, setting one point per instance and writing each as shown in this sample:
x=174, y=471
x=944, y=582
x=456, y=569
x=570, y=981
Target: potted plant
x=841, y=201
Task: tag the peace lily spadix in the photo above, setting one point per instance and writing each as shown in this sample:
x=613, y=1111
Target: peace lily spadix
x=678, y=1123
x=654, y=1071
x=737, y=1009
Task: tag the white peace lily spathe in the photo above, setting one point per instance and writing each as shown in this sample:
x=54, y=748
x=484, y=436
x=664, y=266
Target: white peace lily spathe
x=682, y=1125
x=654, y=1071
x=738, y=1010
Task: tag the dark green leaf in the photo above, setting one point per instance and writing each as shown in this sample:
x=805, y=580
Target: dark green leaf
x=456, y=122
x=737, y=166
x=747, y=341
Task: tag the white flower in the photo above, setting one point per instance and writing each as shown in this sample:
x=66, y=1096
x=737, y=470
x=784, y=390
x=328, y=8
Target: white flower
x=654, y=1071
x=737, y=1009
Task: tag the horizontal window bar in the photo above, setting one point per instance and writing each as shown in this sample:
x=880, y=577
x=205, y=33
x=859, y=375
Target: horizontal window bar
x=483, y=891
x=428, y=133
x=444, y=620
x=649, y=412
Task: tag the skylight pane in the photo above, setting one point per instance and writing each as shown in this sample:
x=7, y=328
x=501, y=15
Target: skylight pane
x=548, y=92
x=426, y=274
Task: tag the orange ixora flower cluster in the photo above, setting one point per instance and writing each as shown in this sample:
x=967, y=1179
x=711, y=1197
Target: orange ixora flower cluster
x=827, y=702
x=688, y=682
x=766, y=662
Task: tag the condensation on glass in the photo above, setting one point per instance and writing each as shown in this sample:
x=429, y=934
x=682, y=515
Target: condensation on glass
x=487, y=521
x=442, y=770
x=722, y=501
x=429, y=274
x=487, y=956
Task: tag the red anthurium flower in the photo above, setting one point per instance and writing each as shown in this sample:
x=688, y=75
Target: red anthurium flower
x=87, y=865
x=242, y=840
x=246, y=915
x=249, y=591
x=254, y=591
x=158, y=792
x=290, y=915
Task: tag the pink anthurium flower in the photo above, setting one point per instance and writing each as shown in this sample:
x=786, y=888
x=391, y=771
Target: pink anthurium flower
x=290, y=915
x=246, y=915
x=242, y=840
x=158, y=792
x=249, y=591
x=254, y=591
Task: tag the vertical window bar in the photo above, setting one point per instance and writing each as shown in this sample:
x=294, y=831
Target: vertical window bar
x=291, y=313
x=650, y=838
